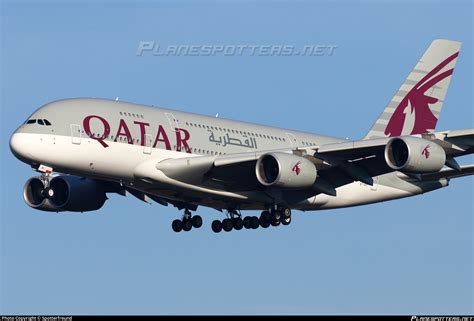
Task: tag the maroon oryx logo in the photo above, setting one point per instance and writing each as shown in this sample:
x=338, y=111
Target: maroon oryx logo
x=296, y=168
x=426, y=151
x=417, y=101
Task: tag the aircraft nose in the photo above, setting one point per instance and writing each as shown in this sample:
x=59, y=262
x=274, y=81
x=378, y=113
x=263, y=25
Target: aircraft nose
x=20, y=147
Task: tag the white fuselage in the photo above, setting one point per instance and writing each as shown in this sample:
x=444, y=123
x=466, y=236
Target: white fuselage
x=111, y=145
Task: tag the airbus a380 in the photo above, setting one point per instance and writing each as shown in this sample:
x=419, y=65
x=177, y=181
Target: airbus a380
x=85, y=148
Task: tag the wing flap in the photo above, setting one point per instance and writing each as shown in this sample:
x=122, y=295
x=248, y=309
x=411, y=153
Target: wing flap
x=463, y=138
x=449, y=173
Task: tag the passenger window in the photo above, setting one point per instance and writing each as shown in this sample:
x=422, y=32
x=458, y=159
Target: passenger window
x=40, y=121
x=46, y=122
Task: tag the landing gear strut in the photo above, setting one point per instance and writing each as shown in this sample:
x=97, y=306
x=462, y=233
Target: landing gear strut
x=45, y=178
x=187, y=222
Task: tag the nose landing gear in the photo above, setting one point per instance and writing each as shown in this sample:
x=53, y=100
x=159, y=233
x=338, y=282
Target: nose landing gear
x=47, y=191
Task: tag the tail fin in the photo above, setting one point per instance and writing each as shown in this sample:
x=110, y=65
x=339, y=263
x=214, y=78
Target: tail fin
x=416, y=106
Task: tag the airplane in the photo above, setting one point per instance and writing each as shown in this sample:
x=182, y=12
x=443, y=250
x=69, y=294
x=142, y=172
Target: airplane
x=85, y=148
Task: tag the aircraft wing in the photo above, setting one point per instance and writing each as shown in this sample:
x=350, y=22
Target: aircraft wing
x=364, y=159
x=337, y=164
x=455, y=142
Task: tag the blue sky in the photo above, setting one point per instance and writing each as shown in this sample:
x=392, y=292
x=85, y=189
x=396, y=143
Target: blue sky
x=410, y=256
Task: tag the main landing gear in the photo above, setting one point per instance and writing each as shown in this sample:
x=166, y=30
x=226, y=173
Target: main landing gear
x=233, y=221
x=187, y=222
x=267, y=218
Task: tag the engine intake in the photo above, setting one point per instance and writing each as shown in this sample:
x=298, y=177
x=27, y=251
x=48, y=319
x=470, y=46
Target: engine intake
x=285, y=171
x=414, y=155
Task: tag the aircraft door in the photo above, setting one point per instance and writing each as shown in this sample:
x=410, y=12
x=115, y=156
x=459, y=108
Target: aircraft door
x=76, y=134
x=172, y=121
x=292, y=139
x=147, y=146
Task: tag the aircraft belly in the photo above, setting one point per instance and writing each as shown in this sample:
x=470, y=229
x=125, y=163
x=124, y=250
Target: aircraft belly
x=353, y=194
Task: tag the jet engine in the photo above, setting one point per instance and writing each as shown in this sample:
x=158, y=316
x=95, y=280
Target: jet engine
x=414, y=155
x=285, y=171
x=64, y=193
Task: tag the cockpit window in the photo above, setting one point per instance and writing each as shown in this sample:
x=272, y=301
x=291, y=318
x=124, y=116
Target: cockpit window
x=38, y=121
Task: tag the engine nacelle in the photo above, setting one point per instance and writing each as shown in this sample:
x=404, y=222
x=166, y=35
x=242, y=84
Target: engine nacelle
x=33, y=196
x=76, y=194
x=285, y=171
x=64, y=193
x=414, y=155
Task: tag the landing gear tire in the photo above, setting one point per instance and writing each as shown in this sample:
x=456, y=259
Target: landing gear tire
x=227, y=225
x=177, y=226
x=286, y=220
x=255, y=223
x=264, y=223
x=197, y=221
x=286, y=213
x=48, y=192
x=187, y=225
x=216, y=226
x=265, y=216
x=275, y=222
x=247, y=222
x=237, y=223
x=275, y=215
